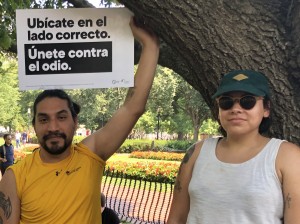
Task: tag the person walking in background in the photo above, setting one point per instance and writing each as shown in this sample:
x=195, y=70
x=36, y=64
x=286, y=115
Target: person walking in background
x=29, y=137
x=6, y=153
x=243, y=177
x=59, y=182
x=18, y=139
x=109, y=216
x=24, y=138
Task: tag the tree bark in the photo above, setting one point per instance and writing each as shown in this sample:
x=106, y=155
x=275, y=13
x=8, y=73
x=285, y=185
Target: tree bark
x=201, y=40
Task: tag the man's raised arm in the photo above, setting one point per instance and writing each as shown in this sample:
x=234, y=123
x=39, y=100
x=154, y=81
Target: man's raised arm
x=108, y=139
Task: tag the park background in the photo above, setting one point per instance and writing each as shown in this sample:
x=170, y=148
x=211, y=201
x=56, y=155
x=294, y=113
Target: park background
x=200, y=41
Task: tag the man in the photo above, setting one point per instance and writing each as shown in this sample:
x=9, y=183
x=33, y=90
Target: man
x=6, y=153
x=109, y=216
x=59, y=182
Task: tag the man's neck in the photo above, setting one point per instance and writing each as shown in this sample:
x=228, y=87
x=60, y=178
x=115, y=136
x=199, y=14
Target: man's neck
x=50, y=158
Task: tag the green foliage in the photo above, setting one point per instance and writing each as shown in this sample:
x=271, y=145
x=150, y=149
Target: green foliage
x=78, y=138
x=47, y=4
x=8, y=21
x=97, y=105
x=131, y=145
x=146, y=124
x=189, y=102
x=179, y=145
x=210, y=127
x=5, y=40
x=162, y=93
x=179, y=123
x=26, y=105
x=10, y=96
x=135, y=145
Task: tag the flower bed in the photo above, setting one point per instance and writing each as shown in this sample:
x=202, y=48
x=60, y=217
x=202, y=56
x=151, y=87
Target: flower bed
x=18, y=156
x=165, y=172
x=21, y=154
x=157, y=155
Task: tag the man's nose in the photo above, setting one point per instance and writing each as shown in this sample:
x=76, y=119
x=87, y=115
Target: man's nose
x=53, y=125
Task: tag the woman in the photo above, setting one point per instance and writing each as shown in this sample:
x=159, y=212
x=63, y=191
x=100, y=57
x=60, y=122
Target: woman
x=244, y=177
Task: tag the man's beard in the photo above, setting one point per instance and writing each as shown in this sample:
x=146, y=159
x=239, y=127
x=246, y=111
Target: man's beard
x=55, y=149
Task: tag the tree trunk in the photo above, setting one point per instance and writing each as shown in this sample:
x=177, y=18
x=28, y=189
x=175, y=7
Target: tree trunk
x=180, y=136
x=196, y=134
x=201, y=40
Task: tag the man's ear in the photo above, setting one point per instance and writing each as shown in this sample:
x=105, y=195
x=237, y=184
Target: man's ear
x=76, y=122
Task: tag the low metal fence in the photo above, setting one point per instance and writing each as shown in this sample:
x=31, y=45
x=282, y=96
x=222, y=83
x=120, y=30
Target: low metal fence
x=136, y=200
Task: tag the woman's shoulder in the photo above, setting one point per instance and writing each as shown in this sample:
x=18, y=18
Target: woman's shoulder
x=209, y=142
x=194, y=150
x=289, y=147
x=288, y=155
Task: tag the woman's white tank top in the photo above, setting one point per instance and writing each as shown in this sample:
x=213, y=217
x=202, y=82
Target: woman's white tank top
x=245, y=193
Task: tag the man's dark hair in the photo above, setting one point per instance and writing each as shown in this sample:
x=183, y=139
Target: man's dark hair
x=103, y=200
x=58, y=93
x=266, y=122
x=5, y=136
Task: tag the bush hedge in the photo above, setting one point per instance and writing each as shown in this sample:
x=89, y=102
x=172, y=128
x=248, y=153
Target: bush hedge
x=131, y=145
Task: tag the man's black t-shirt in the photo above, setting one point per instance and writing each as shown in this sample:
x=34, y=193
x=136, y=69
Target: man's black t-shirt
x=109, y=216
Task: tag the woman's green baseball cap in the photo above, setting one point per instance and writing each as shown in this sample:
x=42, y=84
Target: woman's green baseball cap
x=248, y=81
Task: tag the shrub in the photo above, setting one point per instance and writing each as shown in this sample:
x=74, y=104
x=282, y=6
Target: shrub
x=131, y=145
x=179, y=145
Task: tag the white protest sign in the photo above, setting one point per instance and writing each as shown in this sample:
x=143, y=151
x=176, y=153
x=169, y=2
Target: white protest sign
x=75, y=48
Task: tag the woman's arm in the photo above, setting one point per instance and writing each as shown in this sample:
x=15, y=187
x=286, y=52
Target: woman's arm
x=288, y=163
x=181, y=200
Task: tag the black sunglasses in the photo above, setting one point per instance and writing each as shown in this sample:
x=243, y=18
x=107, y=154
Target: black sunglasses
x=246, y=102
